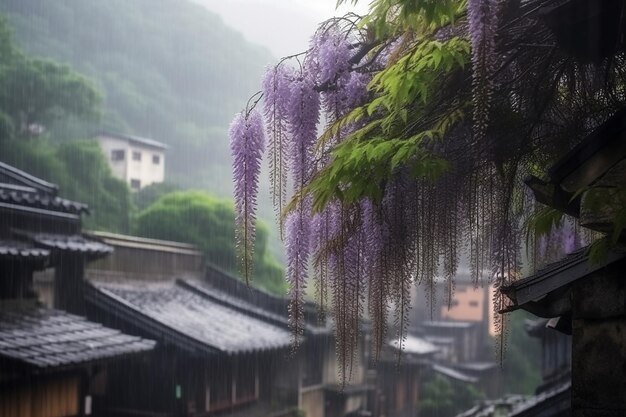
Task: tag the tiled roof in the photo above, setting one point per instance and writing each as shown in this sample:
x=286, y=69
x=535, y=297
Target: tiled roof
x=70, y=243
x=12, y=249
x=557, y=396
x=454, y=374
x=225, y=283
x=249, y=307
x=41, y=200
x=415, y=345
x=47, y=338
x=556, y=275
x=187, y=318
x=549, y=403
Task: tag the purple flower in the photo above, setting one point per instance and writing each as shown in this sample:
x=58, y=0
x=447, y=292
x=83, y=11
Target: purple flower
x=277, y=94
x=303, y=116
x=247, y=143
x=297, y=250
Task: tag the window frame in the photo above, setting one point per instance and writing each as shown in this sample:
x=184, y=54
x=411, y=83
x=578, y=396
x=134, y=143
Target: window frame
x=118, y=155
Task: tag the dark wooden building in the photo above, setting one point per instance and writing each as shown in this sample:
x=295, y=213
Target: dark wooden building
x=224, y=348
x=588, y=297
x=52, y=363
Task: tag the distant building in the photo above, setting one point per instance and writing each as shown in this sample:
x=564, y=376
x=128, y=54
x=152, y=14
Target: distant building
x=138, y=161
x=460, y=330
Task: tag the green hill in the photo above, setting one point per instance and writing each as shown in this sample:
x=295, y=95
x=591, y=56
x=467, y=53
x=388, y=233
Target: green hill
x=168, y=69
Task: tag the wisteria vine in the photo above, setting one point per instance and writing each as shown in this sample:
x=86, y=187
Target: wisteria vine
x=411, y=174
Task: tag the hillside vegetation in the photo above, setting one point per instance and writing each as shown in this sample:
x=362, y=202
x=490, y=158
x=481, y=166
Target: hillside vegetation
x=39, y=92
x=167, y=69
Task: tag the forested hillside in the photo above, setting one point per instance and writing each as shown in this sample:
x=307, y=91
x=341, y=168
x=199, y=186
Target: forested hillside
x=167, y=69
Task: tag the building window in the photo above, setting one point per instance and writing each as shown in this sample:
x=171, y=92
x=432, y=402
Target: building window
x=136, y=156
x=473, y=303
x=135, y=184
x=156, y=159
x=117, y=155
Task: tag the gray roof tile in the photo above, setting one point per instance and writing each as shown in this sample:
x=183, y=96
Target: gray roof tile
x=12, y=249
x=173, y=308
x=41, y=200
x=70, y=243
x=45, y=338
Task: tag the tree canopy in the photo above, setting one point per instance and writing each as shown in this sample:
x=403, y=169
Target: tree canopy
x=205, y=221
x=36, y=92
x=435, y=113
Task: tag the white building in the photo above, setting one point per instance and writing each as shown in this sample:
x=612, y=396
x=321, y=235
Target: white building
x=138, y=161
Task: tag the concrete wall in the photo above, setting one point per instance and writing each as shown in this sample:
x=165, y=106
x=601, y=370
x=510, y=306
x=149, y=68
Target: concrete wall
x=146, y=170
x=108, y=145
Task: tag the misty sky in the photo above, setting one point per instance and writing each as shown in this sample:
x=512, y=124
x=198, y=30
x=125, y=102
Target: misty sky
x=282, y=26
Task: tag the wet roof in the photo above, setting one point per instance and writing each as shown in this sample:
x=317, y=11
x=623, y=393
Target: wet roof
x=70, y=243
x=553, y=402
x=249, y=307
x=47, y=338
x=188, y=319
x=416, y=345
x=35, y=199
x=454, y=374
x=13, y=249
x=556, y=275
x=19, y=188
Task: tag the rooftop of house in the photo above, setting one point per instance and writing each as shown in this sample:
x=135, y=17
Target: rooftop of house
x=447, y=324
x=228, y=287
x=137, y=140
x=44, y=338
x=177, y=313
x=597, y=162
x=18, y=188
x=126, y=241
x=542, y=292
x=553, y=402
x=36, y=223
x=454, y=374
x=11, y=249
x=74, y=243
x=415, y=345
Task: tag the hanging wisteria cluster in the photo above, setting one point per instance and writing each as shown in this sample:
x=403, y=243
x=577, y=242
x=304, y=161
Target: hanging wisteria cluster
x=363, y=257
x=247, y=146
x=393, y=157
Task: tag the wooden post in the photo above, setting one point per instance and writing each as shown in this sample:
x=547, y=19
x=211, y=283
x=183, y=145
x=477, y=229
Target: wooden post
x=599, y=344
x=68, y=283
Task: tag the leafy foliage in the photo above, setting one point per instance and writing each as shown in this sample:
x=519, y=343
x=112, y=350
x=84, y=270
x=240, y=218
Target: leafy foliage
x=429, y=161
x=520, y=367
x=200, y=219
x=39, y=92
x=150, y=194
x=443, y=398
